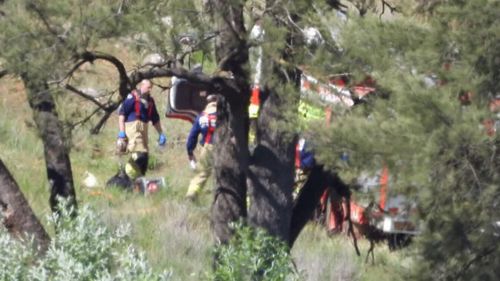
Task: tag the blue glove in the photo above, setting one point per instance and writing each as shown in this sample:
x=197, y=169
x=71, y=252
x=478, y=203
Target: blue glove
x=344, y=157
x=122, y=135
x=162, y=139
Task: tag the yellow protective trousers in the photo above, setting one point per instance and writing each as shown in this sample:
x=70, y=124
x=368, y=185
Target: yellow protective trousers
x=204, y=170
x=137, y=133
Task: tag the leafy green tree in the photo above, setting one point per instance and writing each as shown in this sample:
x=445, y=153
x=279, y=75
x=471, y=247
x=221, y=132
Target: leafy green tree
x=53, y=36
x=434, y=143
x=40, y=43
x=422, y=55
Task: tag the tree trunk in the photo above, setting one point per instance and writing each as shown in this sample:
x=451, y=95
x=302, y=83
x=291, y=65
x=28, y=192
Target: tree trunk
x=59, y=173
x=18, y=217
x=271, y=174
x=231, y=158
x=307, y=201
x=231, y=147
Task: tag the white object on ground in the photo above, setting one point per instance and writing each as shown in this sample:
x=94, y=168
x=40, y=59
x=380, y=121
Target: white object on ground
x=89, y=180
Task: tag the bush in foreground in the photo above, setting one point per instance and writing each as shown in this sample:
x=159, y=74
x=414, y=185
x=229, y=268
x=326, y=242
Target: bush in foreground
x=82, y=249
x=253, y=255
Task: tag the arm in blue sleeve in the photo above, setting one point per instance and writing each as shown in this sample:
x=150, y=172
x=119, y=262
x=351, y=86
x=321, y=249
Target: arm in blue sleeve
x=193, y=136
x=307, y=160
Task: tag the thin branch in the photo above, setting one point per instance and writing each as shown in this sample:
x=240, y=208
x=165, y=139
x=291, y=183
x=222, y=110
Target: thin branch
x=392, y=9
x=193, y=48
x=474, y=260
x=476, y=178
x=195, y=77
x=196, y=47
x=75, y=68
x=231, y=23
x=227, y=58
x=119, y=11
x=289, y=17
x=85, y=96
x=69, y=74
x=350, y=228
x=105, y=118
x=84, y=120
x=45, y=21
x=125, y=83
x=108, y=110
x=162, y=87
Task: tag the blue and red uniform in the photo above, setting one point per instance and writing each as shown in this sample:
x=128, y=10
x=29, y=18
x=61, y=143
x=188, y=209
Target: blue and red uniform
x=143, y=106
x=137, y=111
x=304, y=158
x=205, y=125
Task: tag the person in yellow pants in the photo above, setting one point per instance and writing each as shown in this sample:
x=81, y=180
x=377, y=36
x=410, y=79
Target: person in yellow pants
x=136, y=111
x=204, y=124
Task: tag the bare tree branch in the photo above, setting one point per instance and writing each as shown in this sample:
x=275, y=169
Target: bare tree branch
x=84, y=120
x=477, y=258
x=198, y=45
x=38, y=11
x=108, y=110
x=220, y=84
x=291, y=21
x=70, y=73
x=195, y=77
x=120, y=8
x=85, y=96
x=107, y=114
x=223, y=61
x=125, y=83
x=473, y=170
x=392, y=9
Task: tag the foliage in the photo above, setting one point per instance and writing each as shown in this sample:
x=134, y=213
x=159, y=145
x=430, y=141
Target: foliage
x=436, y=148
x=82, y=249
x=253, y=255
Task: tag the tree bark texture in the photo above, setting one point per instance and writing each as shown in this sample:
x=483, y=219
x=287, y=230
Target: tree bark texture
x=271, y=174
x=231, y=144
x=18, y=217
x=59, y=173
x=230, y=157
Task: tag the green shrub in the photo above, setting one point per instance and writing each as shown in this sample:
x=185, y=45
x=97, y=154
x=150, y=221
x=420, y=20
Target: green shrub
x=252, y=254
x=82, y=249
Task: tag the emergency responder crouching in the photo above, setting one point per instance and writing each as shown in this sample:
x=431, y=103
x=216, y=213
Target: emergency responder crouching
x=204, y=124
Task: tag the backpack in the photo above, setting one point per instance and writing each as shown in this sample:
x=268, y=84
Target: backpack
x=120, y=179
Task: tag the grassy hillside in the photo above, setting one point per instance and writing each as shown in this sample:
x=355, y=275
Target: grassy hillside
x=174, y=233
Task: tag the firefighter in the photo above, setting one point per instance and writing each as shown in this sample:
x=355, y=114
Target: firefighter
x=136, y=111
x=204, y=124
